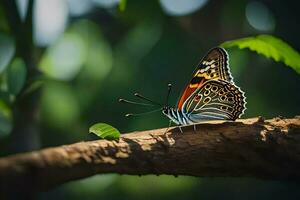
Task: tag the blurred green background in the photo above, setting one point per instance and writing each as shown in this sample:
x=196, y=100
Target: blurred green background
x=65, y=70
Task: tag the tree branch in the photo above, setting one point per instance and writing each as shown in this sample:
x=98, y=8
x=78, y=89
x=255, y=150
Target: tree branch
x=246, y=148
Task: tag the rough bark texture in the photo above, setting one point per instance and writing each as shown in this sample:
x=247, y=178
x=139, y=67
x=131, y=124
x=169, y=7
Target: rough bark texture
x=267, y=149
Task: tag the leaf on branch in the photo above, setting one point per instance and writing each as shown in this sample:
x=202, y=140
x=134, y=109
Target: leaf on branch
x=122, y=5
x=105, y=131
x=270, y=47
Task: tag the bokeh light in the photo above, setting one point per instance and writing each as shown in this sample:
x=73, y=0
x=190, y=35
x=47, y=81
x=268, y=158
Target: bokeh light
x=259, y=16
x=99, y=54
x=50, y=20
x=64, y=58
x=22, y=7
x=182, y=7
x=65, y=111
x=79, y=7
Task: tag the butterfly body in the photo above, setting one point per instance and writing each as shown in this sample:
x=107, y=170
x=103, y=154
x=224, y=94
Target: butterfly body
x=211, y=93
x=177, y=116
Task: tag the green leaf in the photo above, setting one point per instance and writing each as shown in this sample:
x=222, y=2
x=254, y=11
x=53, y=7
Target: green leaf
x=7, y=51
x=34, y=86
x=5, y=119
x=16, y=76
x=105, y=131
x=270, y=47
x=122, y=5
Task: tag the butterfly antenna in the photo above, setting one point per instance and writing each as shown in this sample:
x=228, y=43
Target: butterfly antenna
x=168, y=95
x=135, y=103
x=149, y=100
x=140, y=114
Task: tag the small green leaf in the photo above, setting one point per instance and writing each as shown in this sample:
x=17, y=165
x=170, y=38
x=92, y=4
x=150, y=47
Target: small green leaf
x=122, y=5
x=7, y=51
x=270, y=47
x=16, y=76
x=34, y=86
x=105, y=131
x=5, y=119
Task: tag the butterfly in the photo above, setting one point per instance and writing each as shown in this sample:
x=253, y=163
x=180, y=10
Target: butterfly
x=211, y=93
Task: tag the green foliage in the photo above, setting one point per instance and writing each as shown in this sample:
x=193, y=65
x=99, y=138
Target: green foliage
x=16, y=75
x=34, y=86
x=7, y=50
x=270, y=47
x=60, y=107
x=122, y=5
x=5, y=119
x=105, y=131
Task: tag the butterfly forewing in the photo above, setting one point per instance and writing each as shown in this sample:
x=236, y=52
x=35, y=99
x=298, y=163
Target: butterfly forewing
x=214, y=66
x=215, y=99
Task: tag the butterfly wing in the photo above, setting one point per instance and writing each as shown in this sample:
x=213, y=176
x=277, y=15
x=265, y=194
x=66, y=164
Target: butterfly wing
x=214, y=66
x=215, y=99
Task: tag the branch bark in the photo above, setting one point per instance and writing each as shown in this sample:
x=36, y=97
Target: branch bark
x=267, y=149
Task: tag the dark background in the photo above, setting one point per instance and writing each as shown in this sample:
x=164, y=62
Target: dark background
x=90, y=54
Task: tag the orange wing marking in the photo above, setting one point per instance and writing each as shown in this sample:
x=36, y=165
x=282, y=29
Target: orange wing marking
x=188, y=91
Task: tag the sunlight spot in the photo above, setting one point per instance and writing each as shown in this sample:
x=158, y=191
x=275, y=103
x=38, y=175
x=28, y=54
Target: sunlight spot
x=182, y=7
x=50, y=20
x=259, y=16
x=79, y=7
x=22, y=6
x=64, y=58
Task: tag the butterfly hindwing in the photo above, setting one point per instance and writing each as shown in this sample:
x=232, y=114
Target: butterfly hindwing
x=214, y=66
x=215, y=99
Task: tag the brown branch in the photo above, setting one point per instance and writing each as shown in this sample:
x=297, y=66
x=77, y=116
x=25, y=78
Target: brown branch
x=246, y=148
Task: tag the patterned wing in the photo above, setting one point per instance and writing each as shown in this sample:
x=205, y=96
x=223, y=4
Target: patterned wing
x=215, y=99
x=214, y=66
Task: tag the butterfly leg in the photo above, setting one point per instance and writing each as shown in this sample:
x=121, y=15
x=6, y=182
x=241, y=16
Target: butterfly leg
x=195, y=128
x=170, y=122
x=180, y=129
